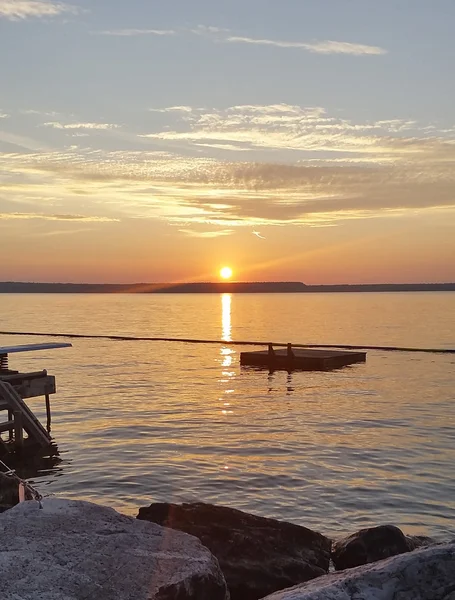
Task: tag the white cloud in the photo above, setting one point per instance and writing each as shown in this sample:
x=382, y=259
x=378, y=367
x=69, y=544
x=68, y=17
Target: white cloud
x=135, y=32
x=40, y=113
x=219, y=34
x=94, y=126
x=209, y=30
x=324, y=47
x=15, y=10
x=290, y=128
x=3, y=115
x=170, y=109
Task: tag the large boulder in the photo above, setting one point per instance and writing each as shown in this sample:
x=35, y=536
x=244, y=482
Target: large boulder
x=257, y=556
x=373, y=544
x=75, y=550
x=424, y=574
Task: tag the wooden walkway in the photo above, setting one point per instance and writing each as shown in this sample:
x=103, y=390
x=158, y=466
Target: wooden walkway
x=16, y=418
x=20, y=418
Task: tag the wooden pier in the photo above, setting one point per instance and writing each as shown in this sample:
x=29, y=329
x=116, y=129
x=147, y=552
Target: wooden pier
x=16, y=418
x=302, y=359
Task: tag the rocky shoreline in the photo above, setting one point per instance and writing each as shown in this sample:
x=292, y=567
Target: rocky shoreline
x=75, y=550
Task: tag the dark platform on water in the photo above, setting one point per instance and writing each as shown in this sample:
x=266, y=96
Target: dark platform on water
x=303, y=359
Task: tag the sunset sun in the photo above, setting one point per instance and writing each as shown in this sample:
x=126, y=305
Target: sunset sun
x=226, y=273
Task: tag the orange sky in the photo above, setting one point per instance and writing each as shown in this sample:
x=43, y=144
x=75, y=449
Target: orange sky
x=293, y=147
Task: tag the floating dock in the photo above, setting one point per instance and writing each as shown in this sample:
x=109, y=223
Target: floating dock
x=301, y=359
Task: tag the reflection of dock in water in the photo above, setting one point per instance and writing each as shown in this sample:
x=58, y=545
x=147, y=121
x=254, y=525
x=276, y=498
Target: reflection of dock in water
x=302, y=359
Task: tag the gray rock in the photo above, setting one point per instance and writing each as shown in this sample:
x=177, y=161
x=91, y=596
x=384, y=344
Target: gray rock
x=369, y=545
x=257, y=555
x=426, y=574
x=72, y=550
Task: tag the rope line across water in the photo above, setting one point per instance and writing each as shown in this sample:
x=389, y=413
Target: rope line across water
x=127, y=338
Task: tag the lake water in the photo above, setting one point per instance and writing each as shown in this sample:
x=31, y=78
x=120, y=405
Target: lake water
x=137, y=422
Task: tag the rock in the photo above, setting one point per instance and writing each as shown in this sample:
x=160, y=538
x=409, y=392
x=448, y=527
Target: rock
x=257, y=556
x=369, y=545
x=9, y=492
x=418, y=541
x=425, y=574
x=73, y=550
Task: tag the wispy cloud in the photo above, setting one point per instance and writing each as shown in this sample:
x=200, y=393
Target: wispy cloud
x=289, y=128
x=207, y=234
x=94, y=126
x=40, y=113
x=219, y=34
x=324, y=47
x=16, y=10
x=46, y=217
x=170, y=109
x=209, y=196
x=135, y=32
x=3, y=115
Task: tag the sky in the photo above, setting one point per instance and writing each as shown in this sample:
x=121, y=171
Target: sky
x=303, y=140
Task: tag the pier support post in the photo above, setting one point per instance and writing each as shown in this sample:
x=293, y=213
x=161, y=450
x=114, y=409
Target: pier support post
x=48, y=413
x=18, y=431
x=10, y=418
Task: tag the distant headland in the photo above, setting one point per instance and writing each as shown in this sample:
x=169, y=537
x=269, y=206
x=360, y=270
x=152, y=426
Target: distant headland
x=239, y=287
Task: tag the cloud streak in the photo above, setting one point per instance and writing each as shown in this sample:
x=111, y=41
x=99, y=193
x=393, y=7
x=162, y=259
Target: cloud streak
x=323, y=47
x=93, y=126
x=207, y=234
x=44, y=217
x=16, y=10
x=296, y=129
x=218, y=34
x=135, y=32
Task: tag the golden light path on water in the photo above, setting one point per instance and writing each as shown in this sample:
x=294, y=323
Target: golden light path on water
x=227, y=373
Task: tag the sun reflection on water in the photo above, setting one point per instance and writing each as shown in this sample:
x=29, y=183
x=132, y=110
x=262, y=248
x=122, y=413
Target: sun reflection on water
x=226, y=317
x=226, y=356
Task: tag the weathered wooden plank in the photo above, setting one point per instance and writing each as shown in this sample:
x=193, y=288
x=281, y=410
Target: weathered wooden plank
x=30, y=388
x=6, y=426
x=30, y=385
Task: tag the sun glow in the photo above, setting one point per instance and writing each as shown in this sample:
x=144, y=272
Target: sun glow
x=226, y=273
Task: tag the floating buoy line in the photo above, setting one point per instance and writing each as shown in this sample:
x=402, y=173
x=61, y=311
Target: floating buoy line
x=128, y=338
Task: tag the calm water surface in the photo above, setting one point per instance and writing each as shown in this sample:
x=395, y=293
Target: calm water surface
x=137, y=422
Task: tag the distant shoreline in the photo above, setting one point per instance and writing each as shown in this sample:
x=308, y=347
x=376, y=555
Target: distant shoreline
x=265, y=287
